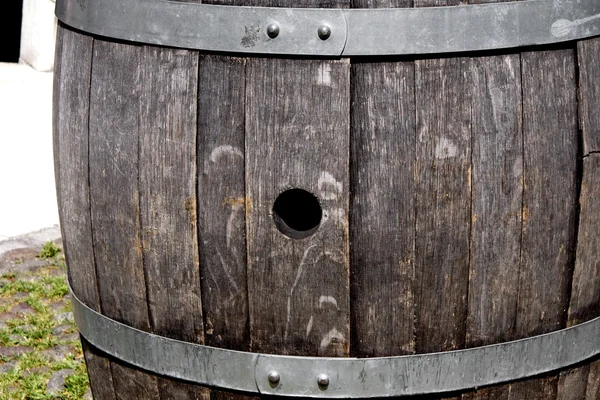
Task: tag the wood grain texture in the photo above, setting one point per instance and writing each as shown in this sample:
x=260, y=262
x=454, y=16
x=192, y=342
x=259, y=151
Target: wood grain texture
x=114, y=165
x=167, y=191
x=443, y=197
x=550, y=135
x=71, y=112
x=550, y=196
x=99, y=372
x=72, y=92
x=133, y=384
x=297, y=134
x=585, y=292
x=588, y=54
x=497, y=195
x=497, y=185
x=171, y=389
x=442, y=204
x=382, y=203
x=534, y=389
x=222, y=205
x=493, y=392
x=167, y=181
x=382, y=208
x=115, y=200
x=593, y=383
x=222, y=201
x=572, y=383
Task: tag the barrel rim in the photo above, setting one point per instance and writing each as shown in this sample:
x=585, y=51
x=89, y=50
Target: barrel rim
x=350, y=32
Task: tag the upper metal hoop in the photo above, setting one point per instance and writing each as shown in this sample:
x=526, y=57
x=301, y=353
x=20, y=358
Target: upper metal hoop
x=335, y=32
x=339, y=377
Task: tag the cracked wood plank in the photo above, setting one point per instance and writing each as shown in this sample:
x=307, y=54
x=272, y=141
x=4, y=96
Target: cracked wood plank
x=585, y=292
x=550, y=133
x=575, y=383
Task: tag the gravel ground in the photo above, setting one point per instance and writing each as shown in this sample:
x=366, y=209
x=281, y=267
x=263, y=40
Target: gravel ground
x=40, y=353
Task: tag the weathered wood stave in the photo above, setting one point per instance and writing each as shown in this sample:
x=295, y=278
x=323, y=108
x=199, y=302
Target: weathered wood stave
x=475, y=173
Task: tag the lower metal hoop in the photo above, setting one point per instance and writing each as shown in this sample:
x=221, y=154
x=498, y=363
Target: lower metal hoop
x=339, y=377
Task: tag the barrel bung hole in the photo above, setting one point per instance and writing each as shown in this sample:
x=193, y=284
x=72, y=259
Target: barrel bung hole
x=297, y=213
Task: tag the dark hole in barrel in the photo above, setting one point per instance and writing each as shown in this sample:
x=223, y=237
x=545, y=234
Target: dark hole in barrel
x=10, y=29
x=297, y=213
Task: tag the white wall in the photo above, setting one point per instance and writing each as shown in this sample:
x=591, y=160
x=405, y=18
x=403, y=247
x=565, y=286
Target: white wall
x=27, y=193
x=38, y=34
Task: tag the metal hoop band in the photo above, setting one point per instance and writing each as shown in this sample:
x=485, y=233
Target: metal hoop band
x=339, y=377
x=335, y=32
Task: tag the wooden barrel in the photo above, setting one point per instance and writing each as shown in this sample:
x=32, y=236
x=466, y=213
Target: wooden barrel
x=345, y=207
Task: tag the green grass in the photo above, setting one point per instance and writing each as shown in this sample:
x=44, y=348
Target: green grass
x=49, y=250
x=29, y=378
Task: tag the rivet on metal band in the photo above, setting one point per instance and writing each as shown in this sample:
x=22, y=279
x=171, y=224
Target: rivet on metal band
x=340, y=32
x=273, y=30
x=339, y=377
